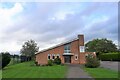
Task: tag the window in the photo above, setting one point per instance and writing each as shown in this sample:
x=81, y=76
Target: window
x=76, y=57
x=53, y=56
x=49, y=56
x=82, y=49
x=67, y=48
x=86, y=55
x=58, y=55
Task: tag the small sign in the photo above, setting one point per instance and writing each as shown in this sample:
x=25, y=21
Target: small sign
x=82, y=49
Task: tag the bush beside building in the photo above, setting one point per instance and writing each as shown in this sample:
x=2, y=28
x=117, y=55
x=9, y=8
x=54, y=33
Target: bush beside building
x=92, y=62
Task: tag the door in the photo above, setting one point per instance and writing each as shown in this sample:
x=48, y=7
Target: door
x=67, y=59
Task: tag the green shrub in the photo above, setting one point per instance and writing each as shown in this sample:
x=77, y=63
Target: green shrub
x=50, y=62
x=57, y=61
x=36, y=63
x=110, y=57
x=92, y=62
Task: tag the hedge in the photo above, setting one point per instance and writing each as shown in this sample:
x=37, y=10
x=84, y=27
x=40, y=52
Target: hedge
x=5, y=59
x=110, y=57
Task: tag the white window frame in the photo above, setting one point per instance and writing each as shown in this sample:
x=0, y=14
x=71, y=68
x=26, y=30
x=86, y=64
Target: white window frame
x=58, y=55
x=82, y=48
x=52, y=56
x=68, y=48
x=76, y=56
x=86, y=55
x=49, y=55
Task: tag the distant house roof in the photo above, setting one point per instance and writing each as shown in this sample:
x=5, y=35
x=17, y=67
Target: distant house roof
x=56, y=46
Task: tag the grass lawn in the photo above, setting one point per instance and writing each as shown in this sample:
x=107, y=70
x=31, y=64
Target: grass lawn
x=26, y=70
x=101, y=73
x=0, y=74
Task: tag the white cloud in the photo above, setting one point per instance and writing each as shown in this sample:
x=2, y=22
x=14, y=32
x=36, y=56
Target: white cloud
x=13, y=42
x=7, y=14
x=51, y=43
x=52, y=23
x=7, y=22
x=62, y=14
x=59, y=0
x=10, y=46
x=93, y=21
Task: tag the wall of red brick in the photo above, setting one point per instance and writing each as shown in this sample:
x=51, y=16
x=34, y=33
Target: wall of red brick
x=42, y=57
x=82, y=58
x=81, y=40
x=75, y=51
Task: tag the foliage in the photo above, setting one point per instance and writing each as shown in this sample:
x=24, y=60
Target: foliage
x=5, y=58
x=50, y=62
x=15, y=59
x=57, y=61
x=36, y=63
x=29, y=48
x=25, y=58
x=92, y=62
x=0, y=61
x=25, y=70
x=110, y=57
x=100, y=46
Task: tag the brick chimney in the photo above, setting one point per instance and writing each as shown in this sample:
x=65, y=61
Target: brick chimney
x=81, y=40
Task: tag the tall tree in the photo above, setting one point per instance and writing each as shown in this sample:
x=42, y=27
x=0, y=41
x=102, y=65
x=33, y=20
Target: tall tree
x=29, y=48
x=101, y=46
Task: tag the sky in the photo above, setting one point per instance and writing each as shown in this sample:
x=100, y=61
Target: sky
x=51, y=23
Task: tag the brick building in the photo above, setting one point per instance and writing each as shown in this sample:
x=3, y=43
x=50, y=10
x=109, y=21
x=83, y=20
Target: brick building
x=70, y=52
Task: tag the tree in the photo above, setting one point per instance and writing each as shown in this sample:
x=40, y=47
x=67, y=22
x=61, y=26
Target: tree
x=5, y=58
x=29, y=48
x=100, y=46
x=118, y=48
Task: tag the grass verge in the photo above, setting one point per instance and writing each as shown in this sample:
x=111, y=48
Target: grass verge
x=101, y=73
x=26, y=70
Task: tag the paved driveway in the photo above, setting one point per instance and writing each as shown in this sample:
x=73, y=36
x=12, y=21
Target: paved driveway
x=110, y=65
x=76, y=71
